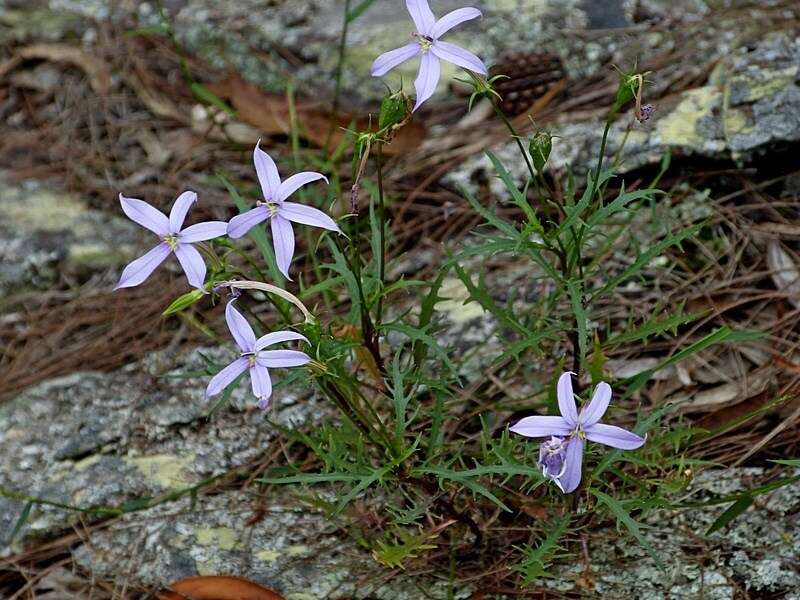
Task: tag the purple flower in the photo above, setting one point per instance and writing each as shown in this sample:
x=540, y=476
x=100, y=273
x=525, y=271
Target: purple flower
x=173, y=239
x=576, y=428
x=431, y=48
x=278, y=211
x=254, y=357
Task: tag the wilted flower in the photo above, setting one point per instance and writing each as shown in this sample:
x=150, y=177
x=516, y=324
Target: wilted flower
x=173, y=239
x=278, y=211
x=431, y=48
x=255, y=358
x=552, y=459
x=576, y=428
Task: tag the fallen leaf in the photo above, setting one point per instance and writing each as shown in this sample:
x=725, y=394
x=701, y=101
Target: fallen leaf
x=270, y=114
x=217, y=588
x=96, y=69
x=785, y=274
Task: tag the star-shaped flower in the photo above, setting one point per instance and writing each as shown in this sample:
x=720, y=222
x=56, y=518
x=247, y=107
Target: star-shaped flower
x=174, y=239
x=561, y=457
x=431, y=48
x=280, y=212
x=255, y=358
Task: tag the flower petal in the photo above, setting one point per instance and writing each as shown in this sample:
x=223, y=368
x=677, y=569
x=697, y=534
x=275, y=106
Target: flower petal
x=539, y=426
x=307, y=215
x=193, y=264
x=393, y=58
x=573, y=465
x=240, y=329
x=422, y=15
x=241, y=224
x=594, y=411
x=283, y=242
x=451, y=19
x=267, y=173
x=141, y=268
x=427, y=78
x=283, y=358
x=566, y=398
x=200, y=232
x=225, y=377
x=178, y=213
x=614, y=436
x=458, y=56
x=276, y=337
x=262, y=384
x=145, y=215
x=296, y=181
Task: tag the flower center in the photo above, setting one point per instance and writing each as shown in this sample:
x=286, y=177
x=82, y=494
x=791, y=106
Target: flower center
x=425, y=41
x=272, y=207
x=172, y=241
x=251, y=358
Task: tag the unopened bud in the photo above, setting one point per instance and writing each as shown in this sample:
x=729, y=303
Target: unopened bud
x=395, y=109
x=540, y=147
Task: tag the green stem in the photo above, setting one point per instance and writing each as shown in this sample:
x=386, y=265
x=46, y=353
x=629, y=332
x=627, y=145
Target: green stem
x=381, y=235
x=339, y=69
x=502, y=116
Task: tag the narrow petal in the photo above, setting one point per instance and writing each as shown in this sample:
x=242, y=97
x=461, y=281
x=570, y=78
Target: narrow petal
x=141, y=268
x=178, y=213
x=240, y=329
x=307, y=215
x=422, y=15
x=277, y=337
x=241, y=224
x=262, y=384
x=594, y=411
x=459, y=57
x=145, y=215
x=427, y=78
x=225, y=377
x=451, y=19
x=542, y=426
x=295, y=182
x=614, y=436
x=566, y=399
x=267, y=173
x=393, y=58
x=283, y=241
x=574, y=463
x=192, y=263
x=283, y=358
x=200, y=232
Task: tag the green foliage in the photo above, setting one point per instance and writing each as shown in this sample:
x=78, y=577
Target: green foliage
x=535, y=560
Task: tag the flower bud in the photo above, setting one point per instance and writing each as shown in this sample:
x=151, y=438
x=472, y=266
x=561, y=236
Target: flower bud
x=395, y=109
x=539, y=148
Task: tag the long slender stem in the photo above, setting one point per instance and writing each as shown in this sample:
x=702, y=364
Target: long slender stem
x=337, y=92
x=381, y=235
x=502, y=116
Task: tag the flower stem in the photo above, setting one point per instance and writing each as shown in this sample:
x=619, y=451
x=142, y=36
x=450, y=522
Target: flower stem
x=502, y=116
x=381, y=235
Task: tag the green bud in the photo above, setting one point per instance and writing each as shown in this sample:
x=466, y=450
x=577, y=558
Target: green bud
x=540, y=147
x=395, y=109
x=628, y=87
x=182, y=302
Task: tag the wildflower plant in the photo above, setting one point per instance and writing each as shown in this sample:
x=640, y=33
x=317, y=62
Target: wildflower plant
x=418, y=437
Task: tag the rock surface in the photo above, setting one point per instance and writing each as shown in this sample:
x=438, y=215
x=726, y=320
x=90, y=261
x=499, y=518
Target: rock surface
x=46, y=235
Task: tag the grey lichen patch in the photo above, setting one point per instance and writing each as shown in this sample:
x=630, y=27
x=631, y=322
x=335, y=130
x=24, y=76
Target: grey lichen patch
x=758, y=550
x=101, y=439
x=752, y=102
x=292, y=549
x=46, y=234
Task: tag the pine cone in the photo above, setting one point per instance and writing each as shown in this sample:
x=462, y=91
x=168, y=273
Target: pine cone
x=530, y=76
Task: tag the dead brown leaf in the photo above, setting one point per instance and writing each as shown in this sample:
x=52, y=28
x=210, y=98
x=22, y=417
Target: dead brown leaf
x=270, y=114
x=95, y=68
x=217, y=588
x=785, y=273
